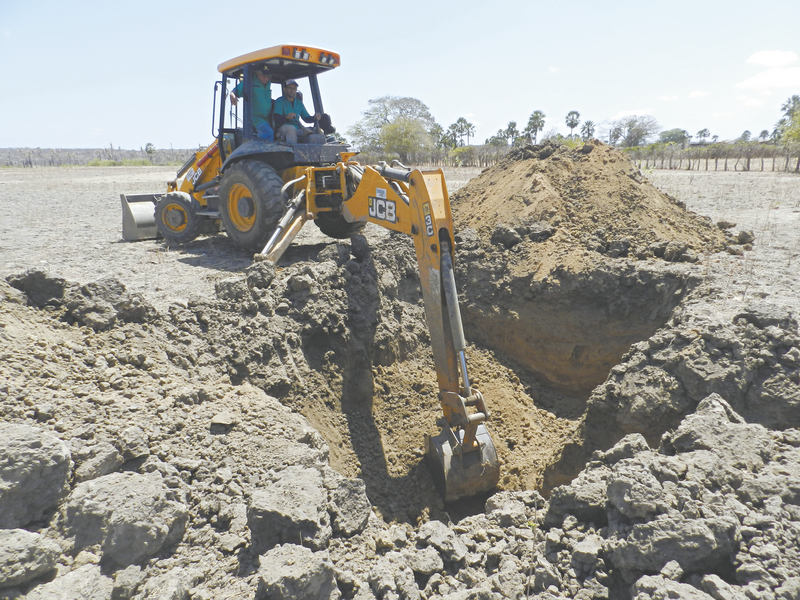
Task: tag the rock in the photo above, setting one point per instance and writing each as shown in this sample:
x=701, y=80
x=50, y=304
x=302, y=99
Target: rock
x=425, y=561
x=437, y=534
x=349, y=507
x=391, y=577
x=133, y=443
x=290, y=572
x=86, y=583
x=222, y=423
x=588, y=549
x=584, y=498
x=291, y=509
x=717, y=428
x=393, y=539
x=127, y=582
x=649, y=587
x=34, y=474
x=506, y=235
x=633, y=490
x=103, y=458
x=698, y=545
x=628, y=447
x=172, y=585
x=132, y=516
x=24, y=556
x=718, y=589
x=506, y=510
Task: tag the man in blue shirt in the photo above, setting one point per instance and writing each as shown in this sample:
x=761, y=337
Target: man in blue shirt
x=261, y=105
x=289, y=109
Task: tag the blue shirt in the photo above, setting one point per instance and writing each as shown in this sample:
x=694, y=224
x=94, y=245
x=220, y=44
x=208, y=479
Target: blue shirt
x=283, y=107
x=262, y=100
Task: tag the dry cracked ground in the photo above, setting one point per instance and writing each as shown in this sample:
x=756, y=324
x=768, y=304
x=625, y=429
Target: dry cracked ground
x=180, y=423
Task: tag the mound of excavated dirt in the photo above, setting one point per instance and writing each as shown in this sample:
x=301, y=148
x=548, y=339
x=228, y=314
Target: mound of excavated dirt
x=567, y=257
x=579, y=205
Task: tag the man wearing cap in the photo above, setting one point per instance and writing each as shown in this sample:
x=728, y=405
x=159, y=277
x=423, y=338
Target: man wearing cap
x=289, y=109
x=261, y=105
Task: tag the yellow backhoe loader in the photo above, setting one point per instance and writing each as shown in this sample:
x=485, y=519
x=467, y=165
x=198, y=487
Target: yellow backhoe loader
x=263, y=192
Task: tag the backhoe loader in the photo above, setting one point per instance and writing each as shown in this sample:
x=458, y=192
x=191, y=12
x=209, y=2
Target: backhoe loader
x=264, y=192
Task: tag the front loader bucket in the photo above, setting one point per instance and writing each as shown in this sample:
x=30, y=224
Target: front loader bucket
x=460, y=476
x=138, y=216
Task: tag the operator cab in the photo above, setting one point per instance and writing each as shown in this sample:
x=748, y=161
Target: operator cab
x=235, y=125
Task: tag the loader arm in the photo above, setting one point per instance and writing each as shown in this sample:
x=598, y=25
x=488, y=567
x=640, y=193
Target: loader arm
x=462, y=456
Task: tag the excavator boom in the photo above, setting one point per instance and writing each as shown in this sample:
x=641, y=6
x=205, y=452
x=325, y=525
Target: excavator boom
x=462, y=457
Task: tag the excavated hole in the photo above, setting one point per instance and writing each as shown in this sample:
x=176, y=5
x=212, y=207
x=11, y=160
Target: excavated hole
x=536, y=352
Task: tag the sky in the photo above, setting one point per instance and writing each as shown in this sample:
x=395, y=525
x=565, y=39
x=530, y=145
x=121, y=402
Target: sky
x=89, y=74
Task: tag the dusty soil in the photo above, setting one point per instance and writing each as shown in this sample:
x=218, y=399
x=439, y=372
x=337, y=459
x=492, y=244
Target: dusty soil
x=551, y=309
x=565, y=259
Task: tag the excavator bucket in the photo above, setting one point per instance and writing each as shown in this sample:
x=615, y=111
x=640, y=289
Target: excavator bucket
x=138, y=216
x=462, y=475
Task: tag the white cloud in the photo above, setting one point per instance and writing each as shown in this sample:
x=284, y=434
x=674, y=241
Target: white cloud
x=698, y=94
x=669, y=98
x=776, y=77
x=773, y=58
x=750, y=102
x=552, y=70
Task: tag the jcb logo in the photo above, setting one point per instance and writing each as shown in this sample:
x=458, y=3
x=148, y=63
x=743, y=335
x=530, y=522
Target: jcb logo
x=383, y=209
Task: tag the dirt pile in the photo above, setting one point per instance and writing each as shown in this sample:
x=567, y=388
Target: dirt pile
x=567, y=257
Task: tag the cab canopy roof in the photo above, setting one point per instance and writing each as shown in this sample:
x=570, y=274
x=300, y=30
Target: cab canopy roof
x=287, y=61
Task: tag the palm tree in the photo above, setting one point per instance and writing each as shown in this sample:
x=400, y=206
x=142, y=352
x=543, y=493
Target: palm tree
x=453, y=134
x=572, y=120
x=703, y=134
x=469, y=131
x=587, y=131
x=511, y=131
x=764, y=135
x=535, y=125
x=791, y=106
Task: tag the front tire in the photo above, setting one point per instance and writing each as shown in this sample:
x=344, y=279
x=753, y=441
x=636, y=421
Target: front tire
x=251, y=204
x=177, y=219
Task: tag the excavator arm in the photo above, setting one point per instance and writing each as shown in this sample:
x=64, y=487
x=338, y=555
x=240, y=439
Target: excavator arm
x=462, y=457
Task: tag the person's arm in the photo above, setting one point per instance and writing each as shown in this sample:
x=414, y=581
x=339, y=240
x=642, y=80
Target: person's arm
x=279, y=113
x=307, y=117
x=236, y=93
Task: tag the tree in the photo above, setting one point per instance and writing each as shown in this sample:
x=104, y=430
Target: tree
x=633, y=130
x=498, y=139
x=702, y=135
x=511, y=132
x=764, y=135
x=787, y=129
x=368, y=133
x=403, y=137
x=572, y=120
x=675, y=136
x=438, y=136
x=745, y=137
x=535, y=125
x=587, y=131
x=453, y=135
x=150, y=148
x=469, y=131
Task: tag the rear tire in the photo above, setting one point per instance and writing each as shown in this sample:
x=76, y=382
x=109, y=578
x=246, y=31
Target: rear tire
x=333, y=225
x=251, y=204
x=177, y=219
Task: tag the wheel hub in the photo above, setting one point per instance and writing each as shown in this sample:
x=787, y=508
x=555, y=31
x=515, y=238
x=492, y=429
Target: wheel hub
x=175, y=217
x=245, y=207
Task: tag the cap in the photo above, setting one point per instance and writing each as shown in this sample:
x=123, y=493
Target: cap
x=263, y=69
x=291, y=82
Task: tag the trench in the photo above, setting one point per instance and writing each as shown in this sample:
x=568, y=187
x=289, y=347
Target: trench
x=537, y=350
